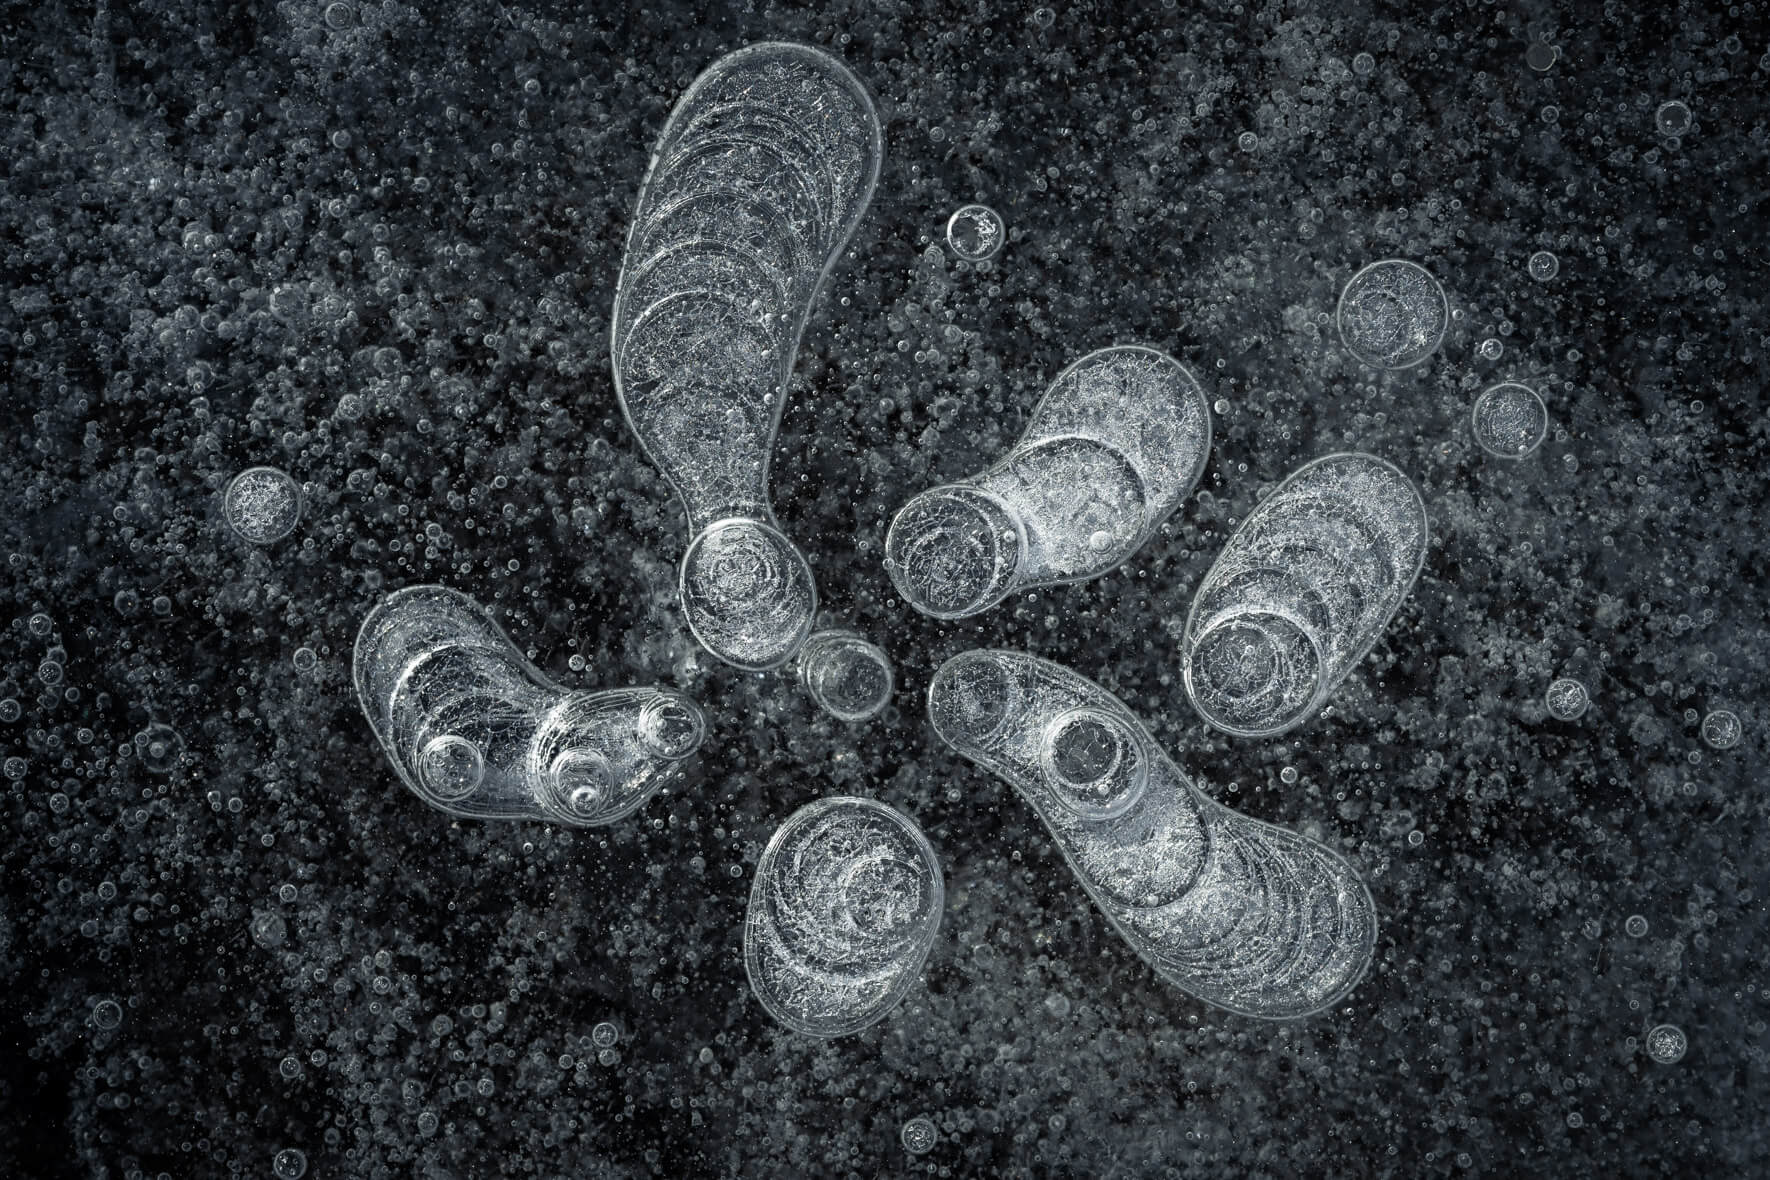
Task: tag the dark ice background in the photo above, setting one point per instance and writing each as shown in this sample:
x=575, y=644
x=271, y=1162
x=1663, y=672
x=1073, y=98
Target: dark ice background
x=376, y=244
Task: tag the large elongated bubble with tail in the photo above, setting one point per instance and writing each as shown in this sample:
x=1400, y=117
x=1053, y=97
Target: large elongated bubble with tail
x=757, y=182
x=1301, y=592
x=844, y=909
x=1244, y=915
x=475, y=729
x=1110, y=451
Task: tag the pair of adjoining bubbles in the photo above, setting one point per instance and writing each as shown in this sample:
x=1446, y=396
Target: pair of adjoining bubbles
x=1393, y=315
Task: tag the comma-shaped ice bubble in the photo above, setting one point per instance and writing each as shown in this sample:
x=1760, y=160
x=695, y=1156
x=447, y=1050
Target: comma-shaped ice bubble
x=1393, y=314
x=1301, y=592
x=845, y=906
x=475, y=729
x=1241, y=914
x=758, y=180
x=1116, y=443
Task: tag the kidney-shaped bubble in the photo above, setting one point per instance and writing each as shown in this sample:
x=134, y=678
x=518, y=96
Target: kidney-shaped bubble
x=475, y=729
x=1242, y=914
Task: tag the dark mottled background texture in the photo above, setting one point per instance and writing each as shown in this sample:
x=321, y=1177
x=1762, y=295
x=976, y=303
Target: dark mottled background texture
x=375, y=244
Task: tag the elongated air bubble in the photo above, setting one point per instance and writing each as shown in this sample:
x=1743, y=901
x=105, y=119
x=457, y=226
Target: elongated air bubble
x=1300, y=593
x=476, y=730
x=756, y=185
x=1109, y=453
x=846, y=901
x=1244, y=915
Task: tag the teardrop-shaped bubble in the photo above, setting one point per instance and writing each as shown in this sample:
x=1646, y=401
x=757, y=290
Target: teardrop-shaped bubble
x=844, y=909
x=1301, y=592
x=1110, y=451
x=475, y=729
x=758, y=181
x=1241, y=914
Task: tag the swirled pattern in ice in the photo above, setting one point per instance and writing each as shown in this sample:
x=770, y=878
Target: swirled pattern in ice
x=1301, y=592
x=758, y=180
x=476, y=730
x=1110, y=451
x=1242, y=914
x=844, y=909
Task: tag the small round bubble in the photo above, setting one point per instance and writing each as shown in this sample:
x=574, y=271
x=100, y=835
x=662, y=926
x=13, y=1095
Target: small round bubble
x=1672, y=118
x=605, y=1035
x=262, y=504
x=107, y=1014
x=305, y=659
x=1635, y=926
x=975, y=232
x=1540, y=55
x=1491, y=349
x=1509, y=420
x=1567, y=699
x=159, y=746
x=1543, y=266
x=848, y=677
x=289, y=1163
x=1667, y=1044
x=1722, y=729
x=919, y=1135
x=1247, y=141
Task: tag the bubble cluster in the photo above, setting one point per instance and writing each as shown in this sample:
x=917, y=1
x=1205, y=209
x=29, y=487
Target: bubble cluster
x=849, y=678
x=1110, y=451
x=475, y=729
x=1667, y=1044
x=975, y=232
x=846, y=902
x=758, y=180
x=1722, y=729
x=1241, y=914
x=1509, y=420
x=1392, y=314
x=1301, y=592
x=1566, y=699
x=262, y=504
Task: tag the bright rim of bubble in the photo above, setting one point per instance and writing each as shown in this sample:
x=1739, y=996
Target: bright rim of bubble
x=1567, y=699
x=1667, y=1044
x=1722, y=729
x=1392, y=314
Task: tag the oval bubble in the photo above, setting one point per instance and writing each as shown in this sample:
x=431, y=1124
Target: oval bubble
x=846, y=902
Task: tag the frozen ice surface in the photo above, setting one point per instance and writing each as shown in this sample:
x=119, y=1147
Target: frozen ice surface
x=376, y=246
x=1109, y=453
x=755, y=185
x=475, y=730
x=1301, y=592
x=1242, y=914
x=846, y=903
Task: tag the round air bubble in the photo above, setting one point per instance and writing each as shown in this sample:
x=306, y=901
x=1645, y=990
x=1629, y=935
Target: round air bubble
x=1567, y=699
x=1393, y=314
x=849, y=678
x=1509, y=420
x=975, y=233
x=1722, y=729
x=262, y=504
